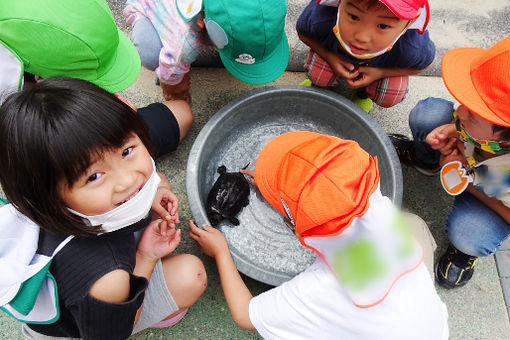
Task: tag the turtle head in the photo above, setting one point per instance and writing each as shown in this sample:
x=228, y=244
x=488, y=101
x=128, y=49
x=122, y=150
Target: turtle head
x=221, y=169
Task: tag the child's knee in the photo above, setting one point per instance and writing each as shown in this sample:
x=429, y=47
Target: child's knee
x=389, y=103
x=388, y=92
x=430, y=113
x=147, y=42
x=183, y=114
x=186, y=278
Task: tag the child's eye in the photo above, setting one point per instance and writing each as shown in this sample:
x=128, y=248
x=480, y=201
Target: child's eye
x=127, y=151
x=383, y=26
x=353, y=17
x=93, y=177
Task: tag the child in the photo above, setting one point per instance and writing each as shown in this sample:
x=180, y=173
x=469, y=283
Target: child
x=89, y=47
x=477, y=134
x=250, y=38
x=369, y=281
x=166, y=42
x=100, y=53
x=373, y=44
x=76, y=167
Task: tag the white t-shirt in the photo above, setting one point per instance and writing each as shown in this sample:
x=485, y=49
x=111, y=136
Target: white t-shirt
x=314, y=306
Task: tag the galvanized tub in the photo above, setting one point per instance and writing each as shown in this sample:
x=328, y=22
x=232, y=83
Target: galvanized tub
x=262, y=247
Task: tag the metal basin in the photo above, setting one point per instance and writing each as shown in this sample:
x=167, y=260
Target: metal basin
x=262, y=247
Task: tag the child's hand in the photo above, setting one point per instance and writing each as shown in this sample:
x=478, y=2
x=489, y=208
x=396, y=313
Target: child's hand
x=443, y=138
x=342, y=67
x=455, y=155
x=210, y=240
x=364, y=76
x=178, y=91
x=251, y=174
x=166, y=205
x=159, y=239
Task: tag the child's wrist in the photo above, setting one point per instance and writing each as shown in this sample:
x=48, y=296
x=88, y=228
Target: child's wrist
x=222, y=254
x=164, y=186
x=143, y=258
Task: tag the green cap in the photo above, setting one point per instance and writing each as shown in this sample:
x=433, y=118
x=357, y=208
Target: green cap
x=250, y=37
x=77, y=39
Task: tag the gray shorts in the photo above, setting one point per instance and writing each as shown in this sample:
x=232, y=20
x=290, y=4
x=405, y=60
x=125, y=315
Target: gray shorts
x=157, y=305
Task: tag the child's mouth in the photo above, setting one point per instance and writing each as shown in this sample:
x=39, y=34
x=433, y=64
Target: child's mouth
x=357, y=50
x=131, y=196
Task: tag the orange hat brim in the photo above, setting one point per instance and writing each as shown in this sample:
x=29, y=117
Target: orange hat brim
x=269, y=161
x=456, y=72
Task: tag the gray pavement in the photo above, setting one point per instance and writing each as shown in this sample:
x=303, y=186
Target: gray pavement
x=477, y=311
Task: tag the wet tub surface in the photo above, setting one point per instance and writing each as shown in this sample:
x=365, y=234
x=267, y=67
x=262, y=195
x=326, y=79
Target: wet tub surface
x=262, y=246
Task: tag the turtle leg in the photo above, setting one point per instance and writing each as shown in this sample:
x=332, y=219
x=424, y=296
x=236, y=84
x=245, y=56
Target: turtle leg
x=234, y=220
x=222, y=169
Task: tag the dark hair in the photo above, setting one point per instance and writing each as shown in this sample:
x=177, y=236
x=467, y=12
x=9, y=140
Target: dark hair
x=49, y=134
x=503, y=131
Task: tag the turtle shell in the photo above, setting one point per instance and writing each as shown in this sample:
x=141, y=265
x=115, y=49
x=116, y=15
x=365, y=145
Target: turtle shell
x=229, y=194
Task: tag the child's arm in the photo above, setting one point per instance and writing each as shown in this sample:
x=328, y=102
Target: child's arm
x=213, y=243
x=341, y=67
x=158, y=240
x=369, y=74
x=165, y=203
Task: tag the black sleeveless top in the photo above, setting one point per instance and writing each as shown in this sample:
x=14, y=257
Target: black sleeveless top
x=76, y=267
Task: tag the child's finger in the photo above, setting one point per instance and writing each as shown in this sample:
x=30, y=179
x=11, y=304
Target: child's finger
x=175, y=239
x=193, y=229
x=161, y=211
x=163, y=228
x=173, y=206
x=250, y=173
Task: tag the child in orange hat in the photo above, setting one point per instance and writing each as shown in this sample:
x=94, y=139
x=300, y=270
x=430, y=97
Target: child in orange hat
x=369, y=281
x=373, y=44
x=472, y=143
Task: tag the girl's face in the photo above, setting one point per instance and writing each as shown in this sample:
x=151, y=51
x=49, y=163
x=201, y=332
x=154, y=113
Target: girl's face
x=111, y=180
x=368, y=30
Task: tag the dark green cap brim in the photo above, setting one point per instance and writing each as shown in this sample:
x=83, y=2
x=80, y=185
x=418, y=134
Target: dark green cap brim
x=260, y=72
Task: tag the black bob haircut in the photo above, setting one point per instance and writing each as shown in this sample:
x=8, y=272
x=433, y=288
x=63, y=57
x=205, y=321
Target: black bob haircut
x=50, y=133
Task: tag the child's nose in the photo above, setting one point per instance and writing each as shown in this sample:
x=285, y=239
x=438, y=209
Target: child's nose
x=124, y=180
x=362, y=35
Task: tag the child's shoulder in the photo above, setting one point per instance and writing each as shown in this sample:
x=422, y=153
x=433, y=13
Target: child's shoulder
x=317, y=13
x=413, y=39
x=413, y=50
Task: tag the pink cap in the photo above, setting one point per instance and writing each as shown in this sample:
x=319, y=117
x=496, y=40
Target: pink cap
x=406, y=9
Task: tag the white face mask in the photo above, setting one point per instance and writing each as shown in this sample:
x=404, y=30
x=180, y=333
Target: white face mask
x=129, y=212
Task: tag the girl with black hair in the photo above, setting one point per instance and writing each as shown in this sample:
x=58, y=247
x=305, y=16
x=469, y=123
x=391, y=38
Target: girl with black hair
x=76, y=165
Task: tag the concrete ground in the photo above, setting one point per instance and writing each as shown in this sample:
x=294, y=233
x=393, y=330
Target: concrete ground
x=476, y=311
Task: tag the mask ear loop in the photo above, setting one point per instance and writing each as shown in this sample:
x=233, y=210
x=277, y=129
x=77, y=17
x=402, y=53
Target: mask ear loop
x=11, y=71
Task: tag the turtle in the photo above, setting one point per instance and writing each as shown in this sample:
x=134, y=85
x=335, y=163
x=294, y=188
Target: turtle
x=229, y=194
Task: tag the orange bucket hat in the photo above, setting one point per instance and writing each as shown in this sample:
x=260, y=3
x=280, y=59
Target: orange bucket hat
x=478, y=79
x=321, y=183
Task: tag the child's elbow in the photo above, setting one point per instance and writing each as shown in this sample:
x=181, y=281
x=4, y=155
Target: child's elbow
x=244, y=322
